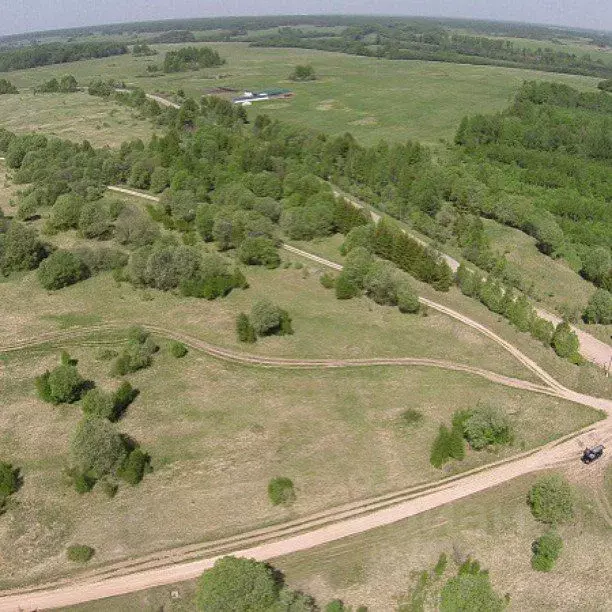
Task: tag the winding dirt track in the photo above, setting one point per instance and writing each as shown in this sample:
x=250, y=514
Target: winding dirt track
x=591, y=348
x=189, y=561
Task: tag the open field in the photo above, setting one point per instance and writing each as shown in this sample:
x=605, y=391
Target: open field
x=381, y=568
x=373, y=99
x=587, y=379
x=77, y=116
x=218, y=432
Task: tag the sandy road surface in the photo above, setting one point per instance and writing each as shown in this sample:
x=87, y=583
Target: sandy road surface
x=591, y=348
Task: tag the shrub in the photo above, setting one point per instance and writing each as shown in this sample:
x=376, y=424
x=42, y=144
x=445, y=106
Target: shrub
x=133, y=468
x=327, y=280
x=80, y=553
x=244, y=329
x=96, y=447
x=335, y=605
x=542, y=330
x=380, y=283
x=137, y=355
x=346, y=288
x=448, y=445
x=565, y=342
x=407, y=298
x=61, y=269
x=83, y=483
x=97, y=403
x=303, y=72
x=66, y=212
x=259, y=251
x=124, y=396
x=177, y=349
x=487, y=425
x=94, y=220
x=546, y=550
x=22, y=248
x=599, y=308
x=470, y=591
x=6, y=87
x=281, y=491
x=267, y=319
x=62, y=385
x=237, y=584
x=551, y=500
x=9, y=481
x=410, y=418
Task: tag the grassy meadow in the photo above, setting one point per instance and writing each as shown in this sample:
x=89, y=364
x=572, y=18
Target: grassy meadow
x=373, y=99
x=77, y=116
x=381, y=568
x=217, y=433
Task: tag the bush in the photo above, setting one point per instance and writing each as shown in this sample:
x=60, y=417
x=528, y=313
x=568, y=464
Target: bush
x=9, y=481
x=599, y=308
x=259, y=251
x=22, y=249
x=96, y=447
x=546, y=550
x=123, y=397
x=470, y=591
x=327, y=280
x=551, y=500
x=66, y=212
x=407, y=298
x=177, y=349
x=281, y=491
x=244, y=329
x=380, y=283
x=565, y=342
x=448, y=444
x=137, y=355
x=63, y=385
x=83, y=483
x=6, y=87
x=335, y=605
x=303, y=72
x=61, y=269
x=80, y=553
x=487, y=425
x=268, y=319
x=133, y=468
x=542, y=330
x=97, y=403
x=346, y=288
x=237, y=584
x=94, y=220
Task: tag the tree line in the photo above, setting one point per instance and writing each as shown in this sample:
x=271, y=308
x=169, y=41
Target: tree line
x=57, y=53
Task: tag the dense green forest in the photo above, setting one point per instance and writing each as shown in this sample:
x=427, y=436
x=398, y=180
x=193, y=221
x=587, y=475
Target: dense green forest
x=34, y=56
x=542, y=166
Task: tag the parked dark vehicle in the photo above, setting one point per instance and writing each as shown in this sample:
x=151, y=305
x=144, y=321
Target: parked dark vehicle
x=591, y=454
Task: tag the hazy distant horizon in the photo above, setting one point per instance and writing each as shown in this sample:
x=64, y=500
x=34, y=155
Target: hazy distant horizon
x=39, y=16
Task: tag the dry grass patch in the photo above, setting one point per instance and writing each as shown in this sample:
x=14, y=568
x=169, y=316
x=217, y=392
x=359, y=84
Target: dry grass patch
x=217, y=433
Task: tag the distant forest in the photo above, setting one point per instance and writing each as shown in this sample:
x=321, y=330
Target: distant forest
x=34, y=56
x=409, y=38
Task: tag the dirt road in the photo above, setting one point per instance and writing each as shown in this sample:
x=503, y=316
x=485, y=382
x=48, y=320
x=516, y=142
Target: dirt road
x=188, y=562
x=591, y=348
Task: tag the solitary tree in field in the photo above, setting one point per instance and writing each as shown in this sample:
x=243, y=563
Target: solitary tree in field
x=303, y=72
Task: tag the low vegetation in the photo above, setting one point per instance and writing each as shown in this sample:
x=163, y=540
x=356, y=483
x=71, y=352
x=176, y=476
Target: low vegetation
x=546, y=550
x=551, y=500
x=281, y=491
x=80, y=553
x=6, y=87
x=303, y=72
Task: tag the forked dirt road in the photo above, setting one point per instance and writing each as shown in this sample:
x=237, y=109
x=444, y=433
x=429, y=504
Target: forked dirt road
x=188, y=562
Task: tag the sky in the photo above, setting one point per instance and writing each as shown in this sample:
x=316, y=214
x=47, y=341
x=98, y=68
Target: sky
x=18, y=16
